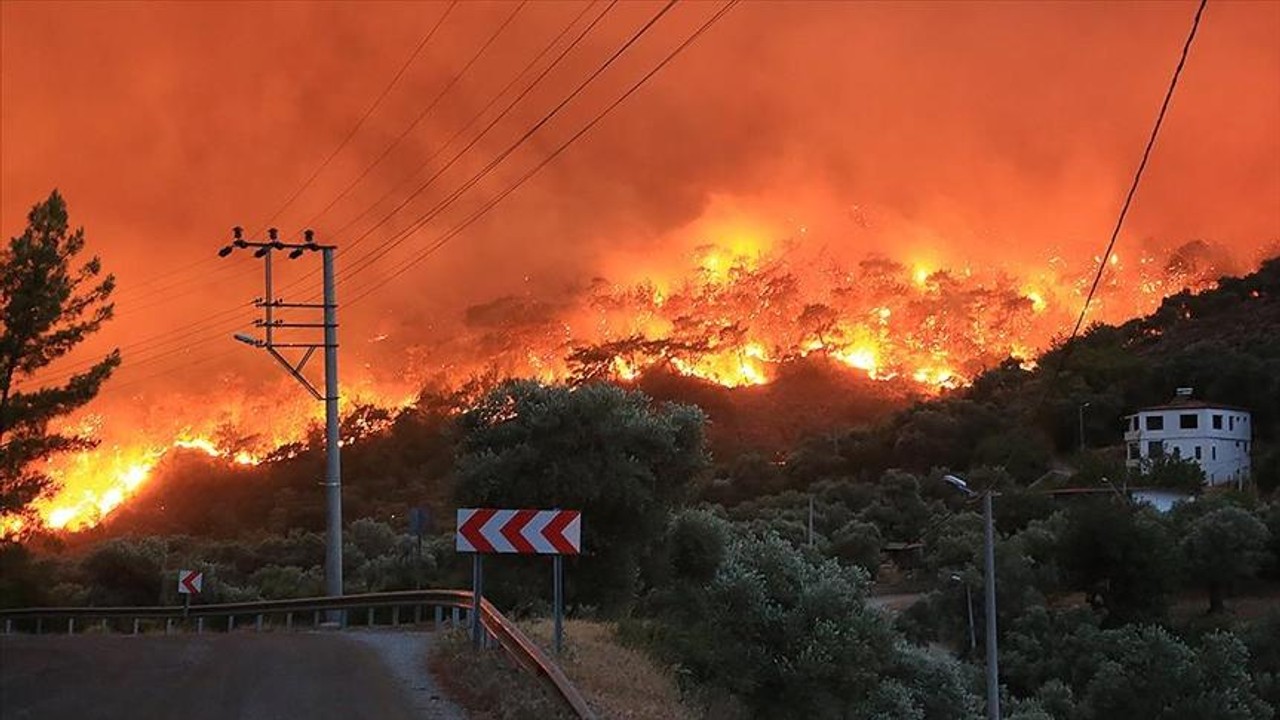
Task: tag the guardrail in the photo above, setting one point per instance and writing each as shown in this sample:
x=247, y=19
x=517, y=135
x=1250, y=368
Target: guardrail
x=523, y=651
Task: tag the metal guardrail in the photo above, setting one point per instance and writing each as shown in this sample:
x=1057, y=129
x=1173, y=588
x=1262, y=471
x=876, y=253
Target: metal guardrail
x=523, y=651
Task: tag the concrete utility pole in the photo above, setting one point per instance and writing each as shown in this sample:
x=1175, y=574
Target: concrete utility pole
x=270, y=324
x=989, y=564
x=1081, y=409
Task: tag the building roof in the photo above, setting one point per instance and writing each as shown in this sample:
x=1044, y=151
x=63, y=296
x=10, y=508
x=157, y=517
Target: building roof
x=1180, y=404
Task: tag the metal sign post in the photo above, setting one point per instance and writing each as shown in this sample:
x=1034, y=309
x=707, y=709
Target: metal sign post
x=525, y=532
x=557, y=571
x=477, y=590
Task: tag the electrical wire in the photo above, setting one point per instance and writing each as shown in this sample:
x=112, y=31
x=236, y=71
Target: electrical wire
x=346, y=248
x=421, y=116
x=475, y=118
x=1133, y=189
x=363, y=118
x=170, y=338
x=391, y=243
x=207, y=326
x=458, y=229
x=160, y=355
x=134, y=290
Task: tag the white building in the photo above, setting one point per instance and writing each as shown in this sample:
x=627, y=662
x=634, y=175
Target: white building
x=1216, y=436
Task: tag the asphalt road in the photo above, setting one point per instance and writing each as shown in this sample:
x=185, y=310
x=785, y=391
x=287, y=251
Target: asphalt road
x=244, y=676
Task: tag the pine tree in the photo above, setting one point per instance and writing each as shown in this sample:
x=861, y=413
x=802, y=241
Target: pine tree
x=47, y=307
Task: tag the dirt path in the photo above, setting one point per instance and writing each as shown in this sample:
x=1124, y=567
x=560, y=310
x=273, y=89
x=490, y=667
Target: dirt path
x=246, y=676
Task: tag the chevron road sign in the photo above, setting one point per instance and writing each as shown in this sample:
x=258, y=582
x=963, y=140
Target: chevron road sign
x=527, y=532
x=483, y=531
x=190, y=582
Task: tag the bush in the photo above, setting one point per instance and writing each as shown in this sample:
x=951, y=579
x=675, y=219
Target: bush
x=791, y=637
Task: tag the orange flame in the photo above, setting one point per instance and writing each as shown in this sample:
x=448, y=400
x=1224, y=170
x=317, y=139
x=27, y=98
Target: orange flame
x=732, y=316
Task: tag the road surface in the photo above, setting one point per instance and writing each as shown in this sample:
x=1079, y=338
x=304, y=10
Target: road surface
x=241, y=676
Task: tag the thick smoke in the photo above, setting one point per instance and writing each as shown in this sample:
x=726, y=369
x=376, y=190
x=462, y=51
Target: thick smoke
x=944, y=135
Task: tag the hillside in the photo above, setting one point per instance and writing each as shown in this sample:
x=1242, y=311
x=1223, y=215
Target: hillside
x=1224, y=342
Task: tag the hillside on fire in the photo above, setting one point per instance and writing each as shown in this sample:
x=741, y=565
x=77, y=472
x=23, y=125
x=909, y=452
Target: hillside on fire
x=697, y=491
x=655, y=360
x=814, y=421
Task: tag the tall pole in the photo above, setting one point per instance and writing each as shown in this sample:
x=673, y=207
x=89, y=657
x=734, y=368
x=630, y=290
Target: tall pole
x=968, y=602
x=332, y=440
x=477, y=589
x=993, y=671
x=1081, y=409
x=557, y=571
x=272, y=326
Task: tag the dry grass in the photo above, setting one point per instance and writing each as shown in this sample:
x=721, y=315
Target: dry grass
x=488, y=685
x=618, y=682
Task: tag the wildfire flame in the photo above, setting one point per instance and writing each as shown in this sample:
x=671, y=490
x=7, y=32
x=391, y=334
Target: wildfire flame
x=738, y=312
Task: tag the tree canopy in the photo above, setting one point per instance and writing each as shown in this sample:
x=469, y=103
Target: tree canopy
x=48, y=305
x=613, y=454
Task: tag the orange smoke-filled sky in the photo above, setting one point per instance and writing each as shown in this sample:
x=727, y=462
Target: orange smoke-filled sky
x=974, y=132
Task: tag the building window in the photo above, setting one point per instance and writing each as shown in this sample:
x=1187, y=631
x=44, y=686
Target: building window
x=1188, y=421
x=1197, y=452
x=1177, y=452
x=1155, y=422
x=1134, y=451
x=1217, y=422
x=1231, y=423
x=1155, y=449
x=1213, y=452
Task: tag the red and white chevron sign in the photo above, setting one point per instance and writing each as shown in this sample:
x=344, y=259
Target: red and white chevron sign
x=544, y=532
x=190, y=582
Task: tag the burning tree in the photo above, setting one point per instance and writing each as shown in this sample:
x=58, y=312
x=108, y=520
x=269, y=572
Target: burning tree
x=47, y=308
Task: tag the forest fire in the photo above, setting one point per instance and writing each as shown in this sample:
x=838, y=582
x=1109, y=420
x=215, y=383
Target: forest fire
x=117, y=473
x=740, y=312
x=914, y=207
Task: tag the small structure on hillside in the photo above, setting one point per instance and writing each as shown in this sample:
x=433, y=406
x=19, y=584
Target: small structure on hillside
x=1216, y=436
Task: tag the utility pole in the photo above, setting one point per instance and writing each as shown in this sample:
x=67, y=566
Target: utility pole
x=1081, y=409
x=993, y=655
x=989, y=564
x=270, y=324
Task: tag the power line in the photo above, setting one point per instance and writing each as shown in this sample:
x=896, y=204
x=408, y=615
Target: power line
x=382, y=249
x=205, y=358
x=363, y=118
x=492, y=101
x=370, y=256
x=199, y=264
x=139, y=354
x=425, y=111
x=169, y=339
x=1133, y=189
x=458, y=229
